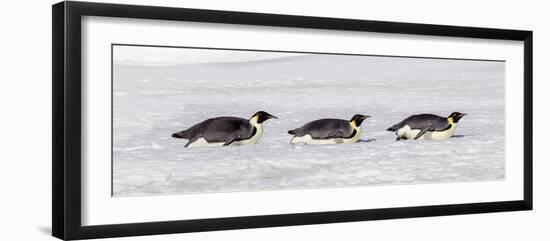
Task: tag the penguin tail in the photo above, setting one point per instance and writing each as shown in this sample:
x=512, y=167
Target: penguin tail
x=393, y=128
x=292, y=132
x=180, y=135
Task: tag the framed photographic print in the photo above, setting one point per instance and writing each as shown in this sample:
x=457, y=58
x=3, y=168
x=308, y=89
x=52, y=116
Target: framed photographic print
x=169, y=120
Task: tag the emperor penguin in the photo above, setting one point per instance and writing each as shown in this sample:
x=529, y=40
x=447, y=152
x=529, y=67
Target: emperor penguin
x=427, y=126
x=225, y=131
x=329, y=131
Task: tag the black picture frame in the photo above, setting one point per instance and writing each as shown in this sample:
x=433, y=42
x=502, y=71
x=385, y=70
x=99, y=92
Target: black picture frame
x=66, y=159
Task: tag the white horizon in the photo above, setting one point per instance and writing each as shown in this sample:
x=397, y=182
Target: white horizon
x=173, y=55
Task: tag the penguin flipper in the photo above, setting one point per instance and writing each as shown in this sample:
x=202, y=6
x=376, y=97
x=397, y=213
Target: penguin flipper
x=191, y=140
x=230, y=141
x=335, y=134
x=422, y=132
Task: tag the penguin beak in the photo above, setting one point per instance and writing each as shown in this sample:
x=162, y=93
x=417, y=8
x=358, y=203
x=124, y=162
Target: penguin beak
x=463, y=114
x=268, y=116
x=365, y=117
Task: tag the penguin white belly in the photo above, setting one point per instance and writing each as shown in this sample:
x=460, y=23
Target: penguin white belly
x=252, y=140
x=440, y=135
x=201, y=142
x=307, y=139
x=409, y=133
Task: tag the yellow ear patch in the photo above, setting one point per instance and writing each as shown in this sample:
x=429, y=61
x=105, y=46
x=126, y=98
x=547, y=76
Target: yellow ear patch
x=353, y=124
x=255, y=119
x=450, y=120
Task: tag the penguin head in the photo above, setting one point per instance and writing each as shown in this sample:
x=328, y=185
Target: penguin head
x=455, y=116
x=262, y=116
x=358, y=119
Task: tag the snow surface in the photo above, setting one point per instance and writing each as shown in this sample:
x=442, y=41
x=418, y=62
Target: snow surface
x=152, y=102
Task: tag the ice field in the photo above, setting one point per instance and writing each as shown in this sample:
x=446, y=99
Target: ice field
x=150, y=102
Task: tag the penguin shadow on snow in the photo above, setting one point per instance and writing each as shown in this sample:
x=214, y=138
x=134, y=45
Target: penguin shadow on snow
x=367, y=140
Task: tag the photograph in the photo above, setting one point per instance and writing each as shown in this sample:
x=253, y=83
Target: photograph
x=191, y=119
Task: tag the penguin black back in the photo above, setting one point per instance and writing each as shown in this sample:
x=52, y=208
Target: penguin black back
x=329, y=128
x=422, y=120
x=417, y=121
x=226, y=130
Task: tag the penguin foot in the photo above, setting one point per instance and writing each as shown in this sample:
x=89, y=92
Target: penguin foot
x=399, y=138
